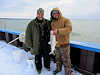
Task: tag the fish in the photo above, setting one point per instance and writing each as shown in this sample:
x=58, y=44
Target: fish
x=52, y=42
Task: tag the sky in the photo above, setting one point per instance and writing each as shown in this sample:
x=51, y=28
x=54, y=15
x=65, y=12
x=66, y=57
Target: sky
x=75, y=9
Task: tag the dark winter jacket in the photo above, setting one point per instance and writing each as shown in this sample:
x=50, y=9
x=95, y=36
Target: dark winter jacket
x=36, y=31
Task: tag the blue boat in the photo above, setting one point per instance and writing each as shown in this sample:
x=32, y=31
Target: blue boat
x=84, y=55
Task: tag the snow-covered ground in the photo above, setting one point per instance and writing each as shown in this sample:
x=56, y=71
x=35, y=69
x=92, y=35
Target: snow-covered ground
x=14, y=61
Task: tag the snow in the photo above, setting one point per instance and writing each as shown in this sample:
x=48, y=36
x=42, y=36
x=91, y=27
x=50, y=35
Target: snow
x=14, y=61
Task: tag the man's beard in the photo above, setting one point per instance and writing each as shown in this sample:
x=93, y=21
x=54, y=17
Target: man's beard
x=40, y=18
x=54, y=18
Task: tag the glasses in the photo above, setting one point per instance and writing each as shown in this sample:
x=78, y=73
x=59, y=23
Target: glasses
x=55, y=12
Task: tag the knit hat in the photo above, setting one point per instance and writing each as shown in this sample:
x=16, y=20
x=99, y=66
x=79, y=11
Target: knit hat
x=40, y=10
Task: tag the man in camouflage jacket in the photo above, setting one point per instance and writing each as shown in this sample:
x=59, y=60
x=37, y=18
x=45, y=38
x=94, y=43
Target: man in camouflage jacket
x=62, y=27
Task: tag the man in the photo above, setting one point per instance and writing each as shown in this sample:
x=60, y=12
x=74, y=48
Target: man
x=37, y=36
x=62, y=27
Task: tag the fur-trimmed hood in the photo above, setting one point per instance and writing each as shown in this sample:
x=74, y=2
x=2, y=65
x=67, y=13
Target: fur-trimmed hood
x=57, y=10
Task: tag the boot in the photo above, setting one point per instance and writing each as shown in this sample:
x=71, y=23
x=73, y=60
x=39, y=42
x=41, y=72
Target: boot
x=55, y=72
x=48, y=68
x=39, y=71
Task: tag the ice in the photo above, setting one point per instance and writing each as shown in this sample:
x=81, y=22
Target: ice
x=98, y=74
x=15, y=61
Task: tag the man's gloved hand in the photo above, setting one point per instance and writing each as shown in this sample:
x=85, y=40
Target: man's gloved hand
x=54, y=32
x=22, y=37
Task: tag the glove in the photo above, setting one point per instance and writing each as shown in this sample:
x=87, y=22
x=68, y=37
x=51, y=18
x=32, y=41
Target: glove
x=22, y=37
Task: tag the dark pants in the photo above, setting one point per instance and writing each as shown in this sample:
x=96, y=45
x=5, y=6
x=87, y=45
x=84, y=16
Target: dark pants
x=43, y=52
x=63, y=57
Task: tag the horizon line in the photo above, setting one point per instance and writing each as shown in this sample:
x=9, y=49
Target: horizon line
x=33, y=18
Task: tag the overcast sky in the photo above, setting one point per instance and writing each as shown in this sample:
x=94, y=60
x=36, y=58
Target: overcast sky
x=83, y=9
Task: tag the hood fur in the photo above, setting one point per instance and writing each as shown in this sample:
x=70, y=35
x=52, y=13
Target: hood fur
x=59, y=12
